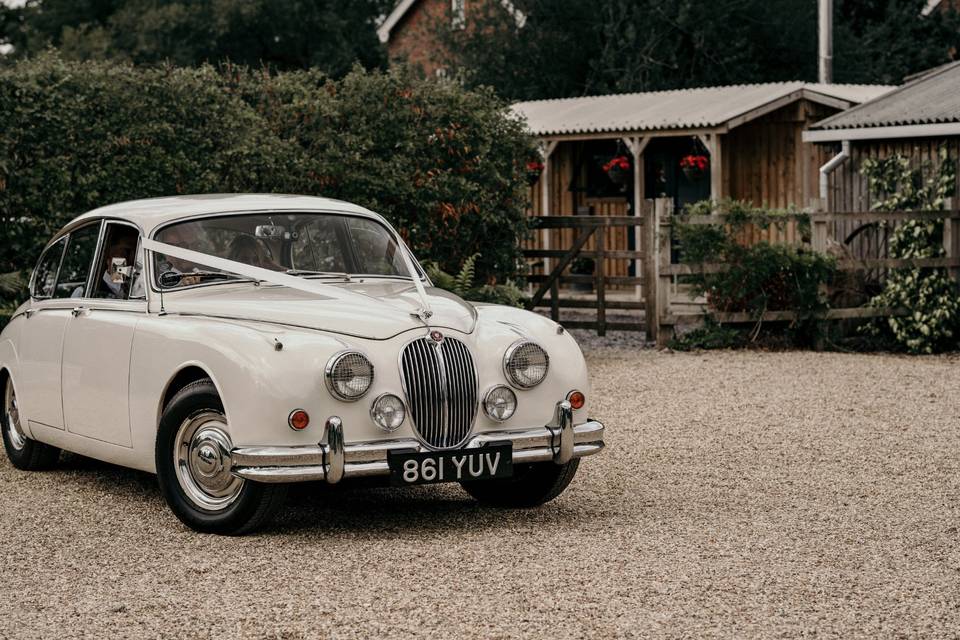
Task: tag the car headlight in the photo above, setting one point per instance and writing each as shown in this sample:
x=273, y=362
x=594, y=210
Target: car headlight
x=388, y=412
x=349, y=375
x=525, y=364
x=500, y=403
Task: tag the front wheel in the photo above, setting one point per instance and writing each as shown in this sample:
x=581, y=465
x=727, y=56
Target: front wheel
x=24, y=453
x=531, y=485
x=193, y=467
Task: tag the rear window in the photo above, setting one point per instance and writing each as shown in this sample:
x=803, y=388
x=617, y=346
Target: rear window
x=45, y=277
x=75, y=269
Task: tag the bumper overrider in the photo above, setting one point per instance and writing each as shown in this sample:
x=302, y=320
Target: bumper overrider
x=332, y=460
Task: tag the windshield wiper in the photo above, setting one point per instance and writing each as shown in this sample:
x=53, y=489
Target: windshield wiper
x=327, y=274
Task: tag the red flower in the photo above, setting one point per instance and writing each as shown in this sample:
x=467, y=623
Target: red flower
x=533, y=165
x=620, y=162
x=693, y=161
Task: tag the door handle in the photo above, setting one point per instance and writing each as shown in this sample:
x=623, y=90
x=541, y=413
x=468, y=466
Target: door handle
x=79, y=311
x=29, y=312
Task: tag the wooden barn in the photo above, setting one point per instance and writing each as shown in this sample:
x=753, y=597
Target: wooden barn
x=916, y=120
x=742, y=142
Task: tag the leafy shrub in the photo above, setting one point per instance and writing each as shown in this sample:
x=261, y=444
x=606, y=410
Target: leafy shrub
x=464, y=284
x=761, y=277
x=75, y=136
x=445, y=165
x=712, y=335
x=931, y=296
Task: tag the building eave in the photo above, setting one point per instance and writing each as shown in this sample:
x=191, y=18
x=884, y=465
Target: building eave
x=884, y=133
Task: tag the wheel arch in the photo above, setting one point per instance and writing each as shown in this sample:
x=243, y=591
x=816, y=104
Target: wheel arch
x=187, y=373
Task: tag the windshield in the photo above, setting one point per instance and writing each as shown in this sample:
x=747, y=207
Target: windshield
x=311, y=245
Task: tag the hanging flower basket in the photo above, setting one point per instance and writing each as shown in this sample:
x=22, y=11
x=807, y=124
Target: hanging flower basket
x=618, y=170
x=534, y=169
x=694, y=166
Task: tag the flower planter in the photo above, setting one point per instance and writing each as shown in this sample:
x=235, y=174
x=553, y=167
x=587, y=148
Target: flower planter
x=693, y=174
x=534, y=169
x=694, y=166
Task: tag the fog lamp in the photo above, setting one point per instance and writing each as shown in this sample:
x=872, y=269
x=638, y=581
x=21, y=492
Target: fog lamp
x=388, y=412
x=500, y=403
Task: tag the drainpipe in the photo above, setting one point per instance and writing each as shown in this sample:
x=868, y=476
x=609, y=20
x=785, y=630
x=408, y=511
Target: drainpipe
x=825, y=75
x=829, y=168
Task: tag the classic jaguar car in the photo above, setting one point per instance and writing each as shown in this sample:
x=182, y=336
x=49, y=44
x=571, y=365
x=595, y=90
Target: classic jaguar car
x=234, y=344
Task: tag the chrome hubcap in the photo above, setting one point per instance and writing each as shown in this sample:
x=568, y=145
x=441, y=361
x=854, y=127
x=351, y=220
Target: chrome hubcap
x=15, y=434
x=202, y=460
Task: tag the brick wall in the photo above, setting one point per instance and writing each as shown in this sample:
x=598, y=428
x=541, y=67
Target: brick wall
x=414, y=38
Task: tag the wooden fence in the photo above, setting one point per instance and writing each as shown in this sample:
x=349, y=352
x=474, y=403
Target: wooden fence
x=661, y=299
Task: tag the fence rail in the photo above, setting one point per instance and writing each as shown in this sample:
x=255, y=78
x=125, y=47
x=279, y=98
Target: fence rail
x=655, y=273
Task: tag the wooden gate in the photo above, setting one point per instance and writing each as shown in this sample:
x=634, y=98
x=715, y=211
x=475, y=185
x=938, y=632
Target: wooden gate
x=548, y=293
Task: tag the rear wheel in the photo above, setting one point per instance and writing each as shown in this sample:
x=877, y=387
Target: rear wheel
x=23, y=452
x=531, y=485
x=194, y=467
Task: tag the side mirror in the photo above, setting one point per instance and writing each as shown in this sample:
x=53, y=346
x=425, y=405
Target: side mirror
x=169, y=279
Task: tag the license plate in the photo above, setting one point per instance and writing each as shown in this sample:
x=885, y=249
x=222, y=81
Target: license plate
x=409, y=467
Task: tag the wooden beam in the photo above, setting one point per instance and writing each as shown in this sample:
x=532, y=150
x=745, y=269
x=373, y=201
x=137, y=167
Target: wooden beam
x=637, y=146
x=557, y=270
x=714, y=146
x=545, y=186
x=628, y=133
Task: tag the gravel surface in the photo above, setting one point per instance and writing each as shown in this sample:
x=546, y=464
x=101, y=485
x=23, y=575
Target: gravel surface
x=743, y=494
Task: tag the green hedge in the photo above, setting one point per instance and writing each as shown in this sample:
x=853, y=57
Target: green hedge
x=445, y=165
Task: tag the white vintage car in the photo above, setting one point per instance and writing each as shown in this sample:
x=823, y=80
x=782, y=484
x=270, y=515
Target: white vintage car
x=233, y=344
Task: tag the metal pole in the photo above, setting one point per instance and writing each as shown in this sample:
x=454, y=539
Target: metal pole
x=826, y=42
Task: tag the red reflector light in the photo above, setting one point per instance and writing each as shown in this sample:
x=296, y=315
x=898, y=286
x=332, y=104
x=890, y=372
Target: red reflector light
x=576, y=399
x=298, y=420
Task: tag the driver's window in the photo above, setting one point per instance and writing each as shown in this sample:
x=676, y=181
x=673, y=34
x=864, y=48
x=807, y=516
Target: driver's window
x=75, y=270
x=117, y=276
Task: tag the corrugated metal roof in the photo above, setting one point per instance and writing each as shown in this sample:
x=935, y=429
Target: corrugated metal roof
x=930, y=99
x=703, y=108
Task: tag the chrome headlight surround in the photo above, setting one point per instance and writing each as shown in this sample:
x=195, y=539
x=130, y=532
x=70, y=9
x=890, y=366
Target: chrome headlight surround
x=331, y=373
x=499, y=388
x=376, y=411
x=524, y=349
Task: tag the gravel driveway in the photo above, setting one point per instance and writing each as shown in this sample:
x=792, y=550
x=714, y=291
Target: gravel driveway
x=742, y=494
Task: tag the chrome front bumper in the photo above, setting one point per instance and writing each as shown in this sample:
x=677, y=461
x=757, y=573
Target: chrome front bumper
x=332, y=460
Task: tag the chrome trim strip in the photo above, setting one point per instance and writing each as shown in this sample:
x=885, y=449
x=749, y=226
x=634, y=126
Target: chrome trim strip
x=334, y=460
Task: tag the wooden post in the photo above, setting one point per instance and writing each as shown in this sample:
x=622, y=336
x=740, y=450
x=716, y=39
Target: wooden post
x=663, y=210
x=554, y=302
x=545, y=206
x=637, y=145
x=818, y=242
x=651, y=268
x=712, y=142
x=951, y=239
x=601, y=275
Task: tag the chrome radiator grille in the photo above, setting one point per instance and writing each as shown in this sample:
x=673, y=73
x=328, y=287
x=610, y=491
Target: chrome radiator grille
x=441, y=386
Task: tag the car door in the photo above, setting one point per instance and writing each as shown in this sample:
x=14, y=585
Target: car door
x=41, y=342
x=97, y=345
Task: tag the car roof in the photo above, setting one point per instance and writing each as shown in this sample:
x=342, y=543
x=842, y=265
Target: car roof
x=155, y=212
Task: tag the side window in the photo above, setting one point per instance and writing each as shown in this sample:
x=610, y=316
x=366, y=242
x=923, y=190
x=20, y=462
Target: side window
x=45, y=277
x=117, y=276
x=81, y=245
